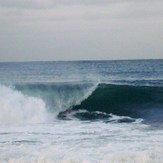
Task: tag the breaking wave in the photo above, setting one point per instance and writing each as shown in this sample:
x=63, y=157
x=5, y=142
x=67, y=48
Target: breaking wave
x=39, y=103
x=85, y=101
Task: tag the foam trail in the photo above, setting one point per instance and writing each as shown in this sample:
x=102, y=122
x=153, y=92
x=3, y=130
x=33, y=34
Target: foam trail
x=147, y=156
x=17, y=108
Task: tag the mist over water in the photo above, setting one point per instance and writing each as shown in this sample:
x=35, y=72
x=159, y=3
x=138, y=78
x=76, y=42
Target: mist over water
x=115, y=112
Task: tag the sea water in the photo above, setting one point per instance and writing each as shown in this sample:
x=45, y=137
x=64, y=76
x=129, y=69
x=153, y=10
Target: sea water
x=115, y=112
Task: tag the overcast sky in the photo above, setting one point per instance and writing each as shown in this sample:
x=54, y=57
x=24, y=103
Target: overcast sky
x=80, y=29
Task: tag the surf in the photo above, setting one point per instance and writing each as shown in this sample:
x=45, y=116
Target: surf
x=43, y=102
x=17, y=108
x=39, y=102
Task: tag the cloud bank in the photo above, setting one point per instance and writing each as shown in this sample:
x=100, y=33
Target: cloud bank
x=80, y=29
x=79, y=9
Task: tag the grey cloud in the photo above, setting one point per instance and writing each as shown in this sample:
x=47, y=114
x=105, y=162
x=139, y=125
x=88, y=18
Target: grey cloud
x=144, y=10
x=79, y=9
x=130, y=10
x=39, y=4
x=50, y=29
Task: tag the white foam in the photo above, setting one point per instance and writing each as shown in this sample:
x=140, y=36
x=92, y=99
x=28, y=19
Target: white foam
x=154, y=156
x=78, y=142
x=18, y=108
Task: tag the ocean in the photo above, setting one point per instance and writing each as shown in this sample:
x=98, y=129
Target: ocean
x=81, y=112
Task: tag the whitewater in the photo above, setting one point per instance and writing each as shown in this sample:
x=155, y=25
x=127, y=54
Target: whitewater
x=111, y=112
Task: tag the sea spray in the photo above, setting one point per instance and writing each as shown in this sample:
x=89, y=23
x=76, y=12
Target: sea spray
x=39, y=103
x=58, y=97
x=18, y=108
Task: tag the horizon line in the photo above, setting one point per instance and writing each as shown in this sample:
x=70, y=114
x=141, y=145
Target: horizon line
x=80, y=60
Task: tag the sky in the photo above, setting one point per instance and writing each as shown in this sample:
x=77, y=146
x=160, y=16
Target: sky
x=49, y=30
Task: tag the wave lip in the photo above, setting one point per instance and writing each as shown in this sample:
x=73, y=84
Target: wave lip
x=58, y=96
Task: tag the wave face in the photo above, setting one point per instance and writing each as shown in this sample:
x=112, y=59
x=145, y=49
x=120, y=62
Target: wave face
x=125, y=100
